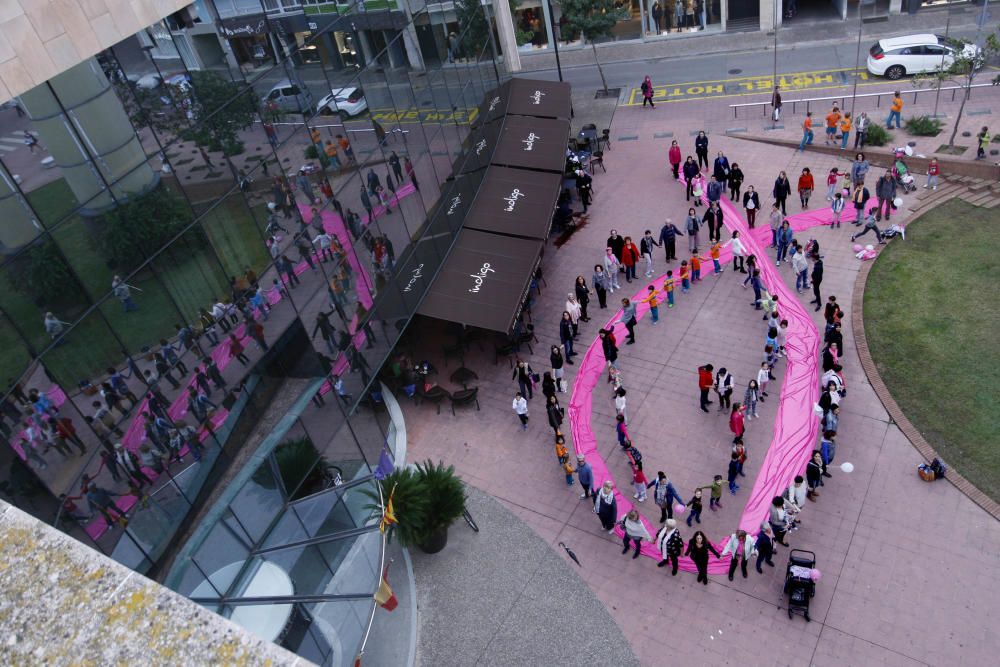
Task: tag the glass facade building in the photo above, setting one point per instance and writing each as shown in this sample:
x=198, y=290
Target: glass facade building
x=209, y=234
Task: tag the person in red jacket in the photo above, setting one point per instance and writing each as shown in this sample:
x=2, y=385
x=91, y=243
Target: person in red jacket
x=630, y=256
x=236, y=350
x=674, y=158
x=705, y=383
x=736, y=423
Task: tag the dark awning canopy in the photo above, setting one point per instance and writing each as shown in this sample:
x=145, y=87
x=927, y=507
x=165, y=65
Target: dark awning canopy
x=527, y=97
x=516, y=202
x=532, y=143
x=484, y=281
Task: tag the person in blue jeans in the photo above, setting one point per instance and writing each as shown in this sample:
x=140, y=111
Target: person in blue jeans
x=755, y=283
x=734, y=470
x=694, y=508
x=807, y=133
x=784, y=239
x=895, y=110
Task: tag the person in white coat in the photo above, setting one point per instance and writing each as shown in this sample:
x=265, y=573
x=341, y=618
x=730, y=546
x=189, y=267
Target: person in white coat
x=742, y=548
x=520, y=407
x=739, y=252
x=573, y=308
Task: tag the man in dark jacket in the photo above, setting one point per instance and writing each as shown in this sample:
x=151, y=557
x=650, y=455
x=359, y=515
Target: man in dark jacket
x=609, y=348
x=616, y=243
x=765, y=547
x=817, y=278
x=714, y=190
x=668, y=236
x=885, y=191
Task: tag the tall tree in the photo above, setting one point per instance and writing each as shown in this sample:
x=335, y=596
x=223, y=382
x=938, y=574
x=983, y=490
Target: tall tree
x=962, y=71
x=474, y=30
x=593, y=19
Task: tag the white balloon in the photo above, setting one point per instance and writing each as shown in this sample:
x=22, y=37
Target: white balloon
x=847, y=467
x=897, y=202
x=908, y=150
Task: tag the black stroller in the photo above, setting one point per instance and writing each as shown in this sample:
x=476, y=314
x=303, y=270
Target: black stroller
x=799, y=585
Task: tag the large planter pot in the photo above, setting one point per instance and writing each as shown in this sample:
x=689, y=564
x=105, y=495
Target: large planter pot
x=435, y=542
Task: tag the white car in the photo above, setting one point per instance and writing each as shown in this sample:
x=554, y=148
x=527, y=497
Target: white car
x=345, y=102
x=896, y=57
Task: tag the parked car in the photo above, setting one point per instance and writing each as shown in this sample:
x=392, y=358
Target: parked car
x=896, y=57
x=345, y=102
x=289, y=96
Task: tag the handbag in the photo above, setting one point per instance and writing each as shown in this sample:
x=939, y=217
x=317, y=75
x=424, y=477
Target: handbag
x=536, y=378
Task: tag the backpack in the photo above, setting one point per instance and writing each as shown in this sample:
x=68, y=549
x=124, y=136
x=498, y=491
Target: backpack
x=644, y=87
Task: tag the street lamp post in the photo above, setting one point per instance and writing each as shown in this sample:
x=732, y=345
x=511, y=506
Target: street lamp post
x=555, y=38
x=857, y=59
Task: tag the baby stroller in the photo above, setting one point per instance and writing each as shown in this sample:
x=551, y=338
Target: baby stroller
x=901, y=172
x=799, y=584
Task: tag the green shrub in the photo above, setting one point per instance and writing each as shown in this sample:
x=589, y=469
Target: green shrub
x=923, y=126
x=301, y=475
x=876, y=135
x=425, y=499
x=311, y=152
x=41, y=273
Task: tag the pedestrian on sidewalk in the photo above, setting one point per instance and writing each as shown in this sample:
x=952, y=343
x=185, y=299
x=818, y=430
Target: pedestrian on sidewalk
x=832, y=119
x=807, y=132
x=628, y=319
x=690, y=171
x=780, y=192
x=522, y=373
x=670, y=544
x=806, y=186
x=859, y=169
x=575, y=312
x=612, y=267
x=585, y=475
x=629, y=257
x=885, y=192
x=785, y=238
x=646, y=244
x=674, y=158
x=397, y=168
x=635, y=532
x=584, y=187
x=736, y=421
x=832, y=178
x=750, y=398
x=698, y=549
x=647, y=92
x=668, y=239
x=123, y=293
x=566, y=336
x=701, y=149
x=582, y=296
x=801, y=267
x=870, y=225
x=741, y=547
x=654, y=304
x=698, y=188
x=845, y=129
x=236, y=349
x=933, y=174
x=724, y=384
x=751, y=204
x=520, y=407
x=837, y=207
x=606, y=506
x=601, y=285
x=664, y=494
x=895, y=111
x=859, y=198
x=555, y=413
x=861, y=130
x=694, y=507
x=638, y=483
x=983, y=139
x=685, y=277
x=620, y=403
x=765, y=546
x=814, y=474
x=705, y=383
x=776, y=104
x=735, y=182
x=713, y=218
x=410, y=172
x=733, y=472
x=692, y=224
x=609, y=348
x=720, y=170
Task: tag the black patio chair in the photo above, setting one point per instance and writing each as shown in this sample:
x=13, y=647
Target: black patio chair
x=465, y=397
x=435, y=395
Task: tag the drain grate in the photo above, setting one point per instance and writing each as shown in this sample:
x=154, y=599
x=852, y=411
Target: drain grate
x=610, y=93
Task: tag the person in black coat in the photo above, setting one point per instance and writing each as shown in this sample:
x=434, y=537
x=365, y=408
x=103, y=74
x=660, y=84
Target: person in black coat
x=782, y=189
x=735, y=182
x=584, y=187
x=765, y=547
x=817, y=279
x=713, y=218
x=554, y=411
x=701, y=148
x=582, y=297
x=751, y=196
x=608, y=347
x=690, y=170
x=616, y=243
x=698, y=548
x=566, y=336
x=833, y=335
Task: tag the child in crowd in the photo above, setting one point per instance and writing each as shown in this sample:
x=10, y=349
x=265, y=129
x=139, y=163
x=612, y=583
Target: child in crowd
x=695, y=269
x=828, y=449
x=694, y=507
x=933, y=174
x=715, y=252
x=750, y=398
x=697, y=188
x=621, y=430
x=782, y=337
x=634, y=455
x=770, y=360
x=639, y=482
x=562, y=455
x=831, y=183
x=620, y=401
x=734, y=470
x=837, y=206
x=668, y=287
x=763, y=377
x=685, y=277
x=741, y=456
x=654, y=305
x=715, y=493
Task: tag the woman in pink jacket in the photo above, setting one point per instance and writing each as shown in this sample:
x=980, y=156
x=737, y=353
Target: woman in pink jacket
x=674, y=158
x=736, y=424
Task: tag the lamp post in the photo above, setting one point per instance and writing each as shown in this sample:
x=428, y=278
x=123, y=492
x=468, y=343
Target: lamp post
x=857, y=59
x=555, y=38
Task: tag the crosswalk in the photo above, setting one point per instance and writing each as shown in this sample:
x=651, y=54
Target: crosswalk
x=11, y=142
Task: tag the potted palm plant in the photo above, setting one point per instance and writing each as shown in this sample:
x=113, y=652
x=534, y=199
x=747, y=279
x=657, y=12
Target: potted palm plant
x=426, y=500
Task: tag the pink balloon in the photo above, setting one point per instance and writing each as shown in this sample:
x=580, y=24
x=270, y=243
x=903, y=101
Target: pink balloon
x=815, y=574
x=857, y=247
x=679, y=508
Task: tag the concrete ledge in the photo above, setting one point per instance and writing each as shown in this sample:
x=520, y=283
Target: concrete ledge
x=885, y=396
x=65, y=604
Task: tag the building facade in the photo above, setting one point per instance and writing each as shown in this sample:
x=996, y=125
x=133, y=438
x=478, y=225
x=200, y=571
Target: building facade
x=208, y=240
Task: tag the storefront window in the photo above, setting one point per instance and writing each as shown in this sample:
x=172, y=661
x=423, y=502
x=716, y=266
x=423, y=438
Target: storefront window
x=666, y=17
x=529, y=24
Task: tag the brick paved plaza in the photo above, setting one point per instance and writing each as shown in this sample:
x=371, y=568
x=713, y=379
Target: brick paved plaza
x=909, y=570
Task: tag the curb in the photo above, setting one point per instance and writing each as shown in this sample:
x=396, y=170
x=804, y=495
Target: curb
x=885, y=396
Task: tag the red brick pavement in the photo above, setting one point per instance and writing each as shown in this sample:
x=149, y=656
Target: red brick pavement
x=880, y=534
